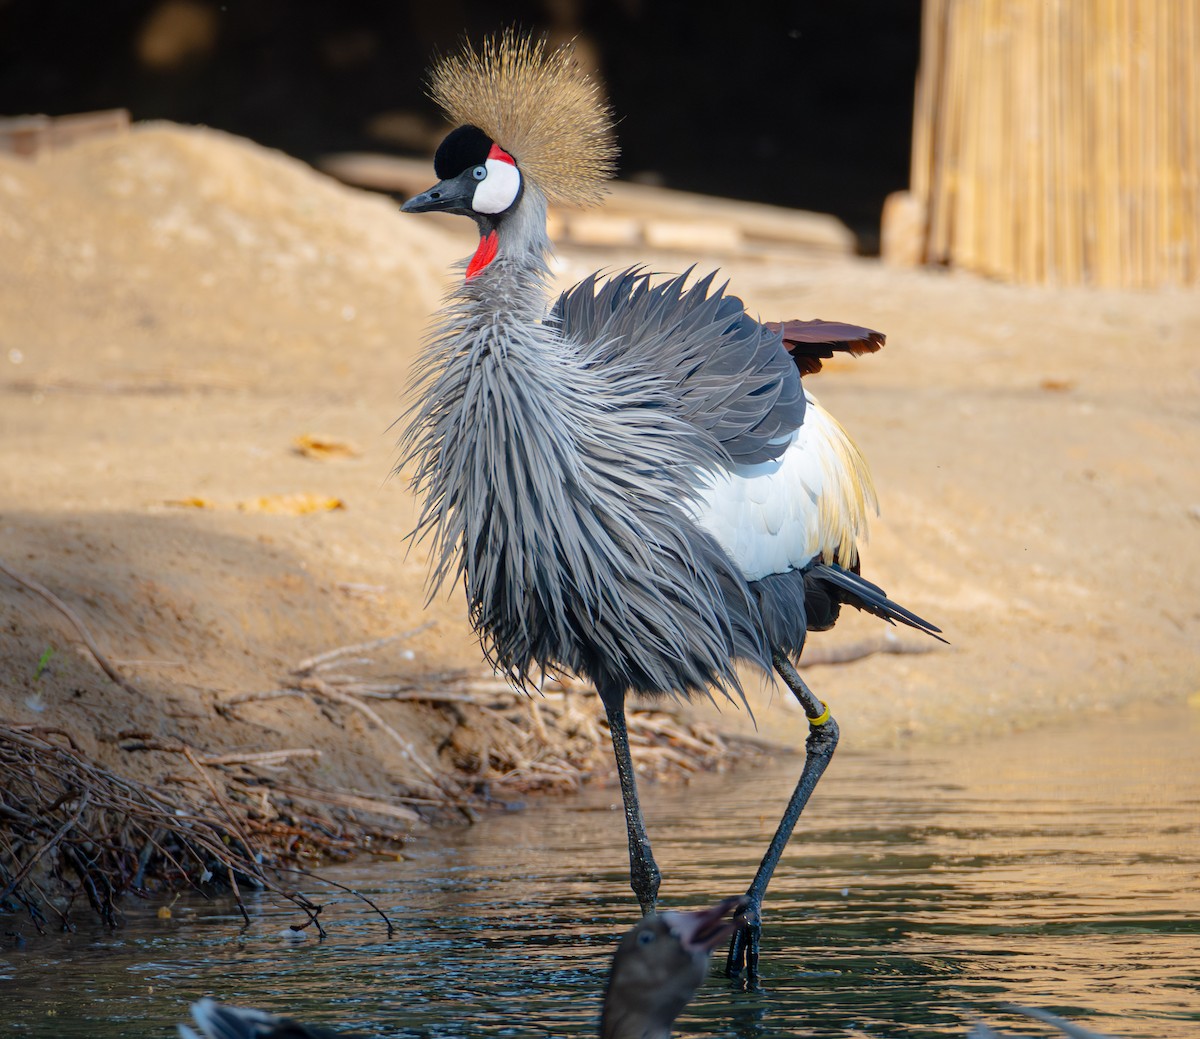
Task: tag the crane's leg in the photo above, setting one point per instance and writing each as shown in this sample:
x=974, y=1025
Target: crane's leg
x=819, y=748
x=644, y=876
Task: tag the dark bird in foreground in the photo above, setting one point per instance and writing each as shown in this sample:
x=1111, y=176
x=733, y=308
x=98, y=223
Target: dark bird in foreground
x=630, y=482
x=656, y=969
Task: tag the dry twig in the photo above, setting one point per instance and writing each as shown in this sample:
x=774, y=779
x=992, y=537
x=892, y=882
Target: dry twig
x=112, y=815
x=39, y=589
x=407, y=750
x=315, y=663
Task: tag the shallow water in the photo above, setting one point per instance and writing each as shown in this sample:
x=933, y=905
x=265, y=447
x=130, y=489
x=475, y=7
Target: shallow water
x=1057, y=869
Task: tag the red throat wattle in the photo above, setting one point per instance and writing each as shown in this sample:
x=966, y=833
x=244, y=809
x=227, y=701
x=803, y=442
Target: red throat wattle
x=484, y=254
x=490, y=242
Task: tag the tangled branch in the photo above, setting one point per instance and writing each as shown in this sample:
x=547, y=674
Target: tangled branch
x=67, y=819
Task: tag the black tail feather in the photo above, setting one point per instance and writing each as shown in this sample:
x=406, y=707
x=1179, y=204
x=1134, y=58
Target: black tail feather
x=848, y=587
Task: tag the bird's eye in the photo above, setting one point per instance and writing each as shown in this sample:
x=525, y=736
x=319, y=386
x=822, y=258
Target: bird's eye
x=497, y=185
x=645, y=938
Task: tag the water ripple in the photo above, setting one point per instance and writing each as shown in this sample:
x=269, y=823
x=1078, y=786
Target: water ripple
x=922, y=889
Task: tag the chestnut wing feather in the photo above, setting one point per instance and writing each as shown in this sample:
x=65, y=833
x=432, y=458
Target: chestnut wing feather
x=811, y=342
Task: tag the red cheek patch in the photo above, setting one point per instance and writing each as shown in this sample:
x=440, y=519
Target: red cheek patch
x=485, y=253
x=499, y=153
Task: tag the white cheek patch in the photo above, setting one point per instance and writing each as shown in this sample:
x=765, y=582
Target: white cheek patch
x=498, y=190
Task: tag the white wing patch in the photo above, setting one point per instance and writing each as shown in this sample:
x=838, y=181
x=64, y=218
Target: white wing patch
x=778, y=516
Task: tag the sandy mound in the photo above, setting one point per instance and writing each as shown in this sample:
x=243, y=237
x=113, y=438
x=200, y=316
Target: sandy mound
x=172, y=254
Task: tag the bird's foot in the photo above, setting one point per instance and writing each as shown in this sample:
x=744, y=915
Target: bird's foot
x=742, y=962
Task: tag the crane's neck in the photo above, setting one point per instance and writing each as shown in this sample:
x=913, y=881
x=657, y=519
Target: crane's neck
x=494, y=436
x=506, y=276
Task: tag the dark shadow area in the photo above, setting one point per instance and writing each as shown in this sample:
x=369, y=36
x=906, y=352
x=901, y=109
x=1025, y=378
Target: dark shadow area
x=797, y=104
x=192, y=603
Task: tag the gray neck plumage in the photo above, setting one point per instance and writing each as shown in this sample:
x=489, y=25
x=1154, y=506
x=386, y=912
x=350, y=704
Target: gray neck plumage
x=513, y=286
x=492, y=437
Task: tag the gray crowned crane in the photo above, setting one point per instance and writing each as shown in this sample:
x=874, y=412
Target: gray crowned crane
x=630, y=481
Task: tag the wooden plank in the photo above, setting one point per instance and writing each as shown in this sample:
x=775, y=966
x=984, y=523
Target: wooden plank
x=927, y=105
x=755, y=220
x=902, y=230
x=1189, y=142
x=946, y=143
x=31, y=135
x=1027, y=264
x=658, y=211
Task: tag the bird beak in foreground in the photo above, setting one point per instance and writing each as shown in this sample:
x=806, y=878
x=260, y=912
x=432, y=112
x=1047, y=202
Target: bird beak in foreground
x=446, y=196
x=705, y=929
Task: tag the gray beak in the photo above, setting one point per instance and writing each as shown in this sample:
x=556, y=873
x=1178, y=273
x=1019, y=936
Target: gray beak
x=447, y=196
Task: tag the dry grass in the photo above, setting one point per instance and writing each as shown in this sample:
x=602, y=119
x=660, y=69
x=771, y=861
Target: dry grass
x=502, y=741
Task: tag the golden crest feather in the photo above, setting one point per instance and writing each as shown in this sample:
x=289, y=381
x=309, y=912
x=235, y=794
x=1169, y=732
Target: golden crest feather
x=539, y=106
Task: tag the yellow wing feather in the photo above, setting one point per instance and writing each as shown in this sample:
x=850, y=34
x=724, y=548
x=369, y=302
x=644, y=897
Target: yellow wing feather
x=848, y=490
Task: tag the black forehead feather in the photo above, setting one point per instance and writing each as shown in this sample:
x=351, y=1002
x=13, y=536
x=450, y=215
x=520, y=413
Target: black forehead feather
x=463, y=148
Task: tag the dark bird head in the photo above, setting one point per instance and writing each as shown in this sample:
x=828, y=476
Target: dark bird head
x=478, y=179
x=659, y=965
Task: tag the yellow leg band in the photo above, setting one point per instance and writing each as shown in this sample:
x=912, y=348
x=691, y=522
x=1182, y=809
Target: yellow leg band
x=816, y=723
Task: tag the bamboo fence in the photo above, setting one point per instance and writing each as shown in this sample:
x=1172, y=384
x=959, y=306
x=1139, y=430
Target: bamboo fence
x=1058, y=141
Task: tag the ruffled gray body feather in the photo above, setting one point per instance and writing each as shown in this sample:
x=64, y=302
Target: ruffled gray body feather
x=557, y=458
